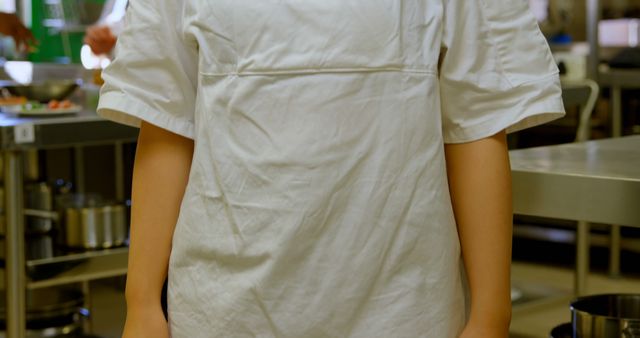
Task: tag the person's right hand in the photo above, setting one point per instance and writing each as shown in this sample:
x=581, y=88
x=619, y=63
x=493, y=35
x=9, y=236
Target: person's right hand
x=11, y=25
x=146, y=323
x=100, y=39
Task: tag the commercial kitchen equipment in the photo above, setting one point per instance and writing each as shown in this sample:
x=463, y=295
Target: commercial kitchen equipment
x=17, y=136
x=607, y=315
x=596, y=181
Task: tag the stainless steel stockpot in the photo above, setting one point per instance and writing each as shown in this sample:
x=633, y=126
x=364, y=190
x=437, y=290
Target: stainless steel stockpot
x=98, y=227
x=606, y=316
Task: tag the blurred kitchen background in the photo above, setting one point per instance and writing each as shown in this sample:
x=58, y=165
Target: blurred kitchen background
x=67, y=174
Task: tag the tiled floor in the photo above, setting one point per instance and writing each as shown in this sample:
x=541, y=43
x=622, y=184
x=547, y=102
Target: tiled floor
x=548, y=288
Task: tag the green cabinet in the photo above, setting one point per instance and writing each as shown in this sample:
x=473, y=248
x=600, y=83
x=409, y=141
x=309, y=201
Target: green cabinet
x=59, y=26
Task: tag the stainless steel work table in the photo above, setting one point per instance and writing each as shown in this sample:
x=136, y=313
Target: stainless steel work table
x=16, y=136
x=617, y=80
x=595, y=181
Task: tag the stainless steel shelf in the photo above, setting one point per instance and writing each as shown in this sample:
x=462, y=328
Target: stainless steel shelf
x=109, y=263
x=66, y=28
x=626, y=78
x=77, y=256
x=85, y=128
x=568, y=236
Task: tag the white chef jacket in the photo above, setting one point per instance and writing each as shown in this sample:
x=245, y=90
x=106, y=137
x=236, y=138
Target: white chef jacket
x=317, y=202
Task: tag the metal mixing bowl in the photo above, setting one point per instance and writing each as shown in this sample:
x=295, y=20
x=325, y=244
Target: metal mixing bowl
x=606, y=316
x=44, y=91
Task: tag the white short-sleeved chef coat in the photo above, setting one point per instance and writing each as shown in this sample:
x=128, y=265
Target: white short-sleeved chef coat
x=317, y=204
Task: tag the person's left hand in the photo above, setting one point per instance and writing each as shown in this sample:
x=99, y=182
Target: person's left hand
x=11, y=25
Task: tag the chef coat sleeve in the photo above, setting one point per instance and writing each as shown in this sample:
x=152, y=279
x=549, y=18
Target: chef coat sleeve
x=496, y=70
x=154, y=74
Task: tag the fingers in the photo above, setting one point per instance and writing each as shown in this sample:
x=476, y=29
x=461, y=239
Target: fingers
x=100, y=33
x=100, y=39
x=23, y=39
x=28, y=35
x=101, y=47
x=21, y=35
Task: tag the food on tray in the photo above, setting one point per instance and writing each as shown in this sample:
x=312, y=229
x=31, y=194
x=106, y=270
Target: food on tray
x=51, y=105
x=12, y=100
x=55, y=104
x=22, y=106
x=35, y=108
x=32, y=105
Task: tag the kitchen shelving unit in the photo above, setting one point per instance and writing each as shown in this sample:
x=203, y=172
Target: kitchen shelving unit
x=18, y=135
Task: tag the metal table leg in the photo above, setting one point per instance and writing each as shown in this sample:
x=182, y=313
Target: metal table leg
x=119, y=171
x=616, y=111
x=15, y=248
x=616, y=131
x=582, y=258
x=86, y=290
x=78, y=167
x=614, y=252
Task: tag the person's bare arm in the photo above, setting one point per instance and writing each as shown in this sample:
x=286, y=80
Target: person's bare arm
x=160, y=175
x=480, y=183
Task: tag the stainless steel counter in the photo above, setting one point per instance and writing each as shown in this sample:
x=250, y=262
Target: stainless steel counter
x=595, y=181
x=617, y=80
x=18, y=134
x=628, y=78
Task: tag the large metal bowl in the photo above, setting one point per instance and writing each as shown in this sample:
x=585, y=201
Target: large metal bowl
x=606, y=316
x=44, y=91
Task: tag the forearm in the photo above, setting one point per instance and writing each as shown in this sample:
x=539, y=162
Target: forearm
x=480, y=185
x=161, y=171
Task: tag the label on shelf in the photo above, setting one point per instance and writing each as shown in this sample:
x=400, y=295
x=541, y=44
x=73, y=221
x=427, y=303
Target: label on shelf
x=24, y=133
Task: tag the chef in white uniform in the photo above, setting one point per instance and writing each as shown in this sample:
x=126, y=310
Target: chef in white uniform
x=325, y=168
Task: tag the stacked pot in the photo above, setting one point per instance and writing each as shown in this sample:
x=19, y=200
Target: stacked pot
x=51, y=312
x=90, y=223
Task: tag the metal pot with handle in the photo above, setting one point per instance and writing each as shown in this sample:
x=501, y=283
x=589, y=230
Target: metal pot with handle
x=606, y=316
